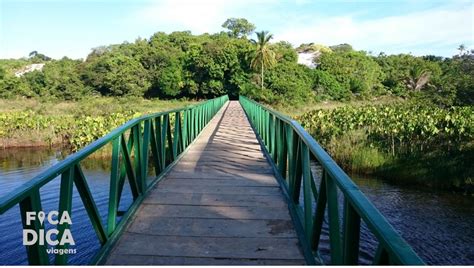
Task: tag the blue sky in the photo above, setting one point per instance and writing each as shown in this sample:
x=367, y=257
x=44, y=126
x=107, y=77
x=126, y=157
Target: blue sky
x=71, y=28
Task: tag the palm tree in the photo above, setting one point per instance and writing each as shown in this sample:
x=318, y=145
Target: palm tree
x=264, y=57
x=417, y=78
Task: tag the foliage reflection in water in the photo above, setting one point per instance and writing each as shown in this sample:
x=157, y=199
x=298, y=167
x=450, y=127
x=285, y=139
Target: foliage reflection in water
x=436, y=224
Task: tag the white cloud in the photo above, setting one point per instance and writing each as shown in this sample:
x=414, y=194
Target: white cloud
x=432, y=31
x=418, y=32
x=199, y=16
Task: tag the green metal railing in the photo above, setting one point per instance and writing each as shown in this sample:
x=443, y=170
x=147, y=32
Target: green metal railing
x=291, y=149
x=166, y=134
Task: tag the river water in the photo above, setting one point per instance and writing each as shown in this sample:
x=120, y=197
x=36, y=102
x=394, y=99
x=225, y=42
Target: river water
x=438, y=225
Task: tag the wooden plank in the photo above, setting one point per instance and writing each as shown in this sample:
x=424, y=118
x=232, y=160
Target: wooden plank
x=194, y=199
x=214, y=182
x=223, y=164
x=213, y=212
x=231, y=190
x=126, y=259
x=217, y=247
x=154, y=225
x=228, y=153
x=205, y=159
x=220, y=176
x=224, y=167
x=225, y=170
x=224, y=140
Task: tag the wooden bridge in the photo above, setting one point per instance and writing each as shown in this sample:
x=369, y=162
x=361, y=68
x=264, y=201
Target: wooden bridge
x=232, y=185
x=220, y=204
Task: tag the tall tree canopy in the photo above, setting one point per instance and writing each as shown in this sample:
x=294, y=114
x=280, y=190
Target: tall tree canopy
x=180, y=64
x=264, y=56
x=238, y=27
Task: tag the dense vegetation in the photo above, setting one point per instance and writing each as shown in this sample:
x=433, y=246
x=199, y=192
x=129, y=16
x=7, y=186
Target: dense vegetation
x=432, y=117
x=74, y=124
x=427, y=141
x=203, y=66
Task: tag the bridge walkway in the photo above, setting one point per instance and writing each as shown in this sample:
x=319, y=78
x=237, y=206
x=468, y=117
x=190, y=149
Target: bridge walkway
x=220, y=204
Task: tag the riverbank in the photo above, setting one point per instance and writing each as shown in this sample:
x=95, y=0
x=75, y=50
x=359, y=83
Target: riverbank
x=35, y=123
x=392, y=140
x=407, y=143
x=436, y=169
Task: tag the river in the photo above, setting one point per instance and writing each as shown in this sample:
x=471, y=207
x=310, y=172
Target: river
x=438, y=225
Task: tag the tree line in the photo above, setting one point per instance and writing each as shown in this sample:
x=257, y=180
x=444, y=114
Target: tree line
x=181, y=64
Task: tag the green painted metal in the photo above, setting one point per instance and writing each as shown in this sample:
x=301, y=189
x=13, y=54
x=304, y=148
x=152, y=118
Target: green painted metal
x=65, y=205
x=32, y=203
x=288, y=144
x=129, y=161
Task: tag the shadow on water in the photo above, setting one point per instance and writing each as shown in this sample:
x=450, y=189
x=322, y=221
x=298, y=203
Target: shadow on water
x=18, y=166
x=438, y=225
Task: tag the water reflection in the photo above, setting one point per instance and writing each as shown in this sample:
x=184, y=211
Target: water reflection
x=20, y=165
x=437, y=224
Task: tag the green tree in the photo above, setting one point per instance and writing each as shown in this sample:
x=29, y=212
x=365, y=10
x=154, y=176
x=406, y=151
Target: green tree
x=458, y=74
x=404, y=72
x=238, y=27
x=36, y=83
x=264, y=56
x=292, y=82
x=3, y=73
x=341, y=48
x=326, y=86
x=417, y=78
x=354, y=70
x=36, y=57
x=62, y=80
x=284, y=51
x=117, y=74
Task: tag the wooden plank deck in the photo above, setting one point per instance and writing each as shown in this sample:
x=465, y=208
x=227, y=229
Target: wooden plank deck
x=220, y=204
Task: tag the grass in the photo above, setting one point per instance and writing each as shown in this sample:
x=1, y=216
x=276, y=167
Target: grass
x=70, y=114
x=436, y=169
x=353, y=154
x=93, y=106
x=297, y=110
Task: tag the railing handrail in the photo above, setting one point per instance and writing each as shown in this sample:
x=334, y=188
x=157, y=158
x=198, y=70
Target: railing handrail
x=391, y=241
x=10, y=199
x=167, y=141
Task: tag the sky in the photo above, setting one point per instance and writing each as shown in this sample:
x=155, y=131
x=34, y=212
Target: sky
x=72, y=28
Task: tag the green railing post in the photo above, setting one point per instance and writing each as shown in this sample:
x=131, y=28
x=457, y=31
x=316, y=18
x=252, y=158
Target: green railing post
x=154, y=148
x=381, y=256
x=291, y=157
x=169, y=140
x=32, y=203
x=65, y=204
x=177, y=135
x=308, y=208
x=114, y=189
x=282, y=152
x=129, y=160
x=290, y=146
x=137, y=155
x=351, y=235
x=145, y=152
